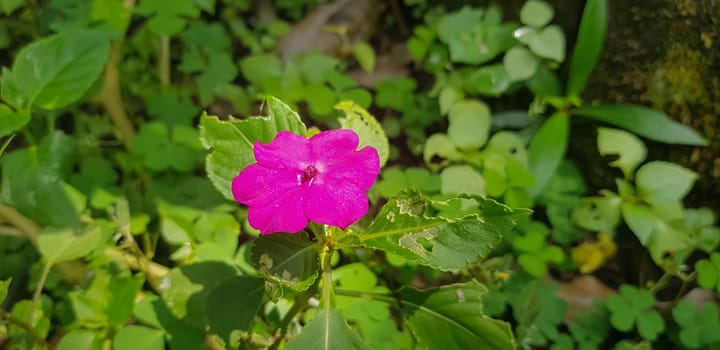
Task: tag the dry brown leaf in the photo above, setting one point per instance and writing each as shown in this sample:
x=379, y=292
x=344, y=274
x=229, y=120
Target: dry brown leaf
x=580, y=293
x=311, y=32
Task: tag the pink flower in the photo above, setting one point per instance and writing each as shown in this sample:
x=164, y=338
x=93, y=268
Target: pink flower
x=296, y=180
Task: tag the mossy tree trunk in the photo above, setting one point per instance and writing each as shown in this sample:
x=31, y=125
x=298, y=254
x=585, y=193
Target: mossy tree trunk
x=666, y=54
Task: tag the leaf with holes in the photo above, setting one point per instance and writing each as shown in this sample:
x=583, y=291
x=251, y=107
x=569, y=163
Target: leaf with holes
x=231, y=142
x=290, y=260
x=366, y=126
x=403, y=228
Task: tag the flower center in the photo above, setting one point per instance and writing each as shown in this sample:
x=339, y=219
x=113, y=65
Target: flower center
x=308, y=174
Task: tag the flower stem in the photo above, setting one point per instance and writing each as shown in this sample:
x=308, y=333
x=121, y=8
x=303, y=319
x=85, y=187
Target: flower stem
x=327, y=283
x=164, y=61
x=41, y=282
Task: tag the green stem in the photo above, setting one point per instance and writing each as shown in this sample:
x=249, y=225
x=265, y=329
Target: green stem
x=164, y=61
x=662, y=282
x=372, y=296
x=25, y=326
x=41, y=282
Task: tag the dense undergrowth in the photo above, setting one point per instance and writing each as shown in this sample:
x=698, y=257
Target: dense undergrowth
x=124, y=123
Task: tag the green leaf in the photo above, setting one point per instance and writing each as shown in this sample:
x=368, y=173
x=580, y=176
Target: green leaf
x=536, y=13
x=660, y=182
x=8, y=6
x=641, y=219
x=79, y=340
x=139, y=338
x=365, y=55
x=491, y=80
x=646, y=122
x=4, y=286
x=588, y=47
x=63, y=244
x=709, y=272
x=289, y=259
x=186, y=288
x=548, y=42
x=461, y=179
x=469, y=124
x=451, y=317
x=11, y=121
x=56, y=71
x=439, y=145
x=233, y=304
x=698, y=326
x=327, y=330
x=402, y=228
x=231, y=142
x=544, y=82
x=259, y=68
x=167, y=20
x=547, y=149
x=598, y=213
x=629, y=149
x=366, y=126
x=519, y=63
x=32, y=181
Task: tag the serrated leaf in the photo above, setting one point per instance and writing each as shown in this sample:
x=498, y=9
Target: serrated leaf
x=231, y=142
x=451, y=317
x=63, y=244
x=366, y=126
x=658, y=182
x=403, y=228
x=646, y=122
x=56, y=71
x=233, y=304
x=289, y=259
x=629, y=149
x=328, y=331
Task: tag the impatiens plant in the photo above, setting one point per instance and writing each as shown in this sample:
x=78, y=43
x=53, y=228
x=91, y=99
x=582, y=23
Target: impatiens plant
x=323, y=179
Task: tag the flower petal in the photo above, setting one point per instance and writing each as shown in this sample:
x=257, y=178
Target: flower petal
x=336, y=206
x=284, y=215
x=332, y=145
x=359, y=168
x=285, y=151
x=260, y=186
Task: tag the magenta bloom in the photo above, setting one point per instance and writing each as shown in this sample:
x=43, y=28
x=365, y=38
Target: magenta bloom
x=296, y=180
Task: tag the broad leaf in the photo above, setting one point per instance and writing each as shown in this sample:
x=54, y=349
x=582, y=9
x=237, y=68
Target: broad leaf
x=630, y=151
x=231, y=142
x=233, y=304
x=79, y=340
x=520, y=64
x=536, y=13
x=451, y=317
x=11, y=121
x=588, y=47
x=641, y=219
x=327, y=331
x=469, y=124
x=56, y=71
x=186, y=288
x=547, y=149
x=659, y=182
x=403, y=228
x=62, y=244
x=646, y=122
x=32, y=182
x=598, y=213
x=366, y=126
x=139, y=338
x=291, y=260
